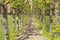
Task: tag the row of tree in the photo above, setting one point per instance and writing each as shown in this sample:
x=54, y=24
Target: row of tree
x=38, y=8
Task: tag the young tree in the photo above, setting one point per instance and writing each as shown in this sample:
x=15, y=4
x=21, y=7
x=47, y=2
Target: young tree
x=51, y=17
x=56, y=11
x=5, y=20
x=56, y=14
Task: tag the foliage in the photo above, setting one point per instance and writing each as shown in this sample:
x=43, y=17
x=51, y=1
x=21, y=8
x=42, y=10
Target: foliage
x=40, y=8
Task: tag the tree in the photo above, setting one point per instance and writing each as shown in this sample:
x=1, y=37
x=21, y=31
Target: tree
x=56, y=14
x=5, y=20
x=56, y=11
x=51, y=21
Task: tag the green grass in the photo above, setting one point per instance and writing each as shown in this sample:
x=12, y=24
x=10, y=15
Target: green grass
x=38, y=23
x=1, y=29
x=11, y=28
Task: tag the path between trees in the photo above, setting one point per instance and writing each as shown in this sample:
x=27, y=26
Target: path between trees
x=31, y=31
x=36, y=38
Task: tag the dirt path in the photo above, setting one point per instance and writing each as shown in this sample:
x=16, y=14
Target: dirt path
x=36, y=38
x=32, y=31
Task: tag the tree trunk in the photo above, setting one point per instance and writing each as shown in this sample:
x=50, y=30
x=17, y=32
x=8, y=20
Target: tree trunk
x=56, y=12
x=43, y=18
x=5, y=20
x=50, y=18
x=0, y=9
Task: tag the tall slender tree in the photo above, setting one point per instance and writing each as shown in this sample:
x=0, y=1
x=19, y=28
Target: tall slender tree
x=5, y=20
x=56, y=11
x=51, y=17
x=56, y=14
x=43, y=18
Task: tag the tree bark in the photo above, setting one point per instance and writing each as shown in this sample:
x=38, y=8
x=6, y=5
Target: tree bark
x=5, y=20
x=43, y=18
x=51, y=18
x=56, y=11
x=0, y=9
x=56, y=14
